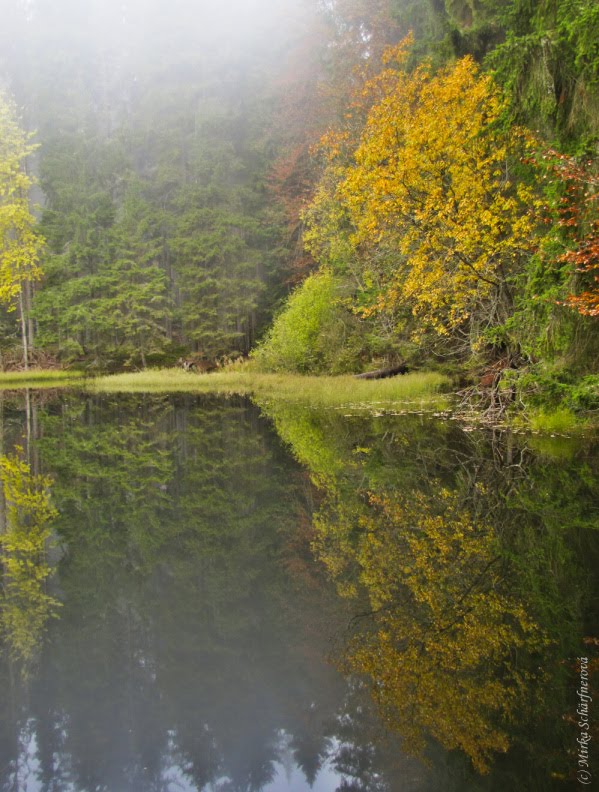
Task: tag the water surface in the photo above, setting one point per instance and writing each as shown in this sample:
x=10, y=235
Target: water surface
x=235, y=597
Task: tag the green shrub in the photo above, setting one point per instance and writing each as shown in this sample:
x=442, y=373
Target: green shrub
x=584, y=395
x=555, y=399
x=305, y=334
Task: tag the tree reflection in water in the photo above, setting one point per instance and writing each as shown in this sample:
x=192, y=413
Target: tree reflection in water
x=444, y=539
x=195, y=621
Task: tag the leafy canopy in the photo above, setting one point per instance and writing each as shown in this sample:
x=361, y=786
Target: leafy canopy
x=427, y=198
x=19, y=243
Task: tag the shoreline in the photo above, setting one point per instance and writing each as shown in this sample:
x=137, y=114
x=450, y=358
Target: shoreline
x=417, y=392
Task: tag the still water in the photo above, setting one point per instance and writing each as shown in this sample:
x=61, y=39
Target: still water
x=209, y=594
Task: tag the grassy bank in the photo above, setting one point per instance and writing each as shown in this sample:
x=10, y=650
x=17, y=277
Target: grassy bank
x=418, y=389
x=408, y=393
x=39, y=378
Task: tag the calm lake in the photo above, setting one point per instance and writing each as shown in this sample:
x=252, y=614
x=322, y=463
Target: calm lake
x=210, y=594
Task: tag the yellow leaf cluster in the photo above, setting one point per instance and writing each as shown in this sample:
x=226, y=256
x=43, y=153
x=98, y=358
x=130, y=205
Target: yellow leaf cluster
x=19, y=244
x=429, y=189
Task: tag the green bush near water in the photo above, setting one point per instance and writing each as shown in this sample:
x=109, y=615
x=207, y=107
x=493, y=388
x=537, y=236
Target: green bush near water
x=558, y=389
x=309, y=335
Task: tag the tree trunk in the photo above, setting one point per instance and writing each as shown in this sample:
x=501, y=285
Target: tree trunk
x=391, y=371
x=24, y=332
x=28, y=290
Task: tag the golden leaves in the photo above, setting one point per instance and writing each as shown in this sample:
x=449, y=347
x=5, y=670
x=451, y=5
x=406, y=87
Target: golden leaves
x=20, y=245
x=428, y=189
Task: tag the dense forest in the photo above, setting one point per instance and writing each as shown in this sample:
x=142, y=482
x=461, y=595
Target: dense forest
x=325, y=186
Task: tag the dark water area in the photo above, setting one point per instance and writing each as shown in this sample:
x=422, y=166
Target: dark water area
x=209, y=594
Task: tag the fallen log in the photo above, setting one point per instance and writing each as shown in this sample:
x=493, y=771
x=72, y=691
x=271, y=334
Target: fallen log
x=383, y=373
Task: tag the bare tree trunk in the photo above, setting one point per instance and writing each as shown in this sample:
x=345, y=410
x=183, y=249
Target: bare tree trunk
x=28, y=287
x=28, y=423
x=24, y=332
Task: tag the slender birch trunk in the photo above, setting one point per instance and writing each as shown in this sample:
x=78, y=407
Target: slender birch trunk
x=24, y=331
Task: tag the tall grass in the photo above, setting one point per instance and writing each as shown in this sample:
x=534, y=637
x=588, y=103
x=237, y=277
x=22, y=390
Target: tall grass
x=39, y=378
x=419, y=388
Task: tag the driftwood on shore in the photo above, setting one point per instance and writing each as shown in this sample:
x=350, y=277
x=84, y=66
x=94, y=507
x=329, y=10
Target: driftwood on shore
x=391, y=371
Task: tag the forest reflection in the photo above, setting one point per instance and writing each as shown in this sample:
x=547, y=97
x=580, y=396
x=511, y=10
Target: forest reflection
x=470, y=559
x=26, y=515
x=193, y=556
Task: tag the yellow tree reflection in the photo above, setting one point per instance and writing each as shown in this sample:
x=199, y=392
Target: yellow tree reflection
x=443, y=635
x=26, y=517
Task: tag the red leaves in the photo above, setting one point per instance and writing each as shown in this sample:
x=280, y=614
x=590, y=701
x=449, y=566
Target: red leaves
x=578, y=212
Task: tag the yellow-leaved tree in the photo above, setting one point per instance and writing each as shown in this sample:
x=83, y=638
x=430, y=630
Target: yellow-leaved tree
x=427, y=199
x=19, y=243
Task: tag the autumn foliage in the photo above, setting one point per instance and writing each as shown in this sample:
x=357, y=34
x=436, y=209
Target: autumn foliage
x=578, y=214
x=19, y=244
x=428, y=197
x=450, y=234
